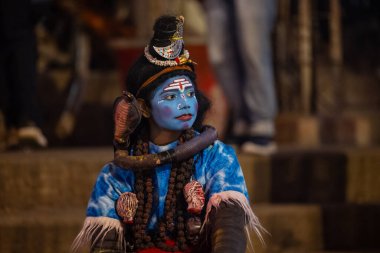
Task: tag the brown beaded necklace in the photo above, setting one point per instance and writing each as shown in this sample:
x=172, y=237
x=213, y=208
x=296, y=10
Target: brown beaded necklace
x=173, y=221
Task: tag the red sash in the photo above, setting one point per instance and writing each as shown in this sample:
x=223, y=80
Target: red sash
x=156, y=250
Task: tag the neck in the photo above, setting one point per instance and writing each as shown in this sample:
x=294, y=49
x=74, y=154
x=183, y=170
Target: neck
x=161, y=136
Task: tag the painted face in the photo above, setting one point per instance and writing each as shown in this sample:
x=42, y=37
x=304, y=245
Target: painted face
x=174, y=105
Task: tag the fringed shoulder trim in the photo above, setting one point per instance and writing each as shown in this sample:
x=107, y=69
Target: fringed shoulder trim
x=234, y=197
x=96, y=228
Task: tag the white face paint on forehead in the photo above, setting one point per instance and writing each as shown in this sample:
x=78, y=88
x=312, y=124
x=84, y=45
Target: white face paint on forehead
x=178, y=84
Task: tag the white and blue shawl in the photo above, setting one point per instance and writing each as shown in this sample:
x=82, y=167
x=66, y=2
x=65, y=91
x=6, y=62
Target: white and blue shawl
x=216, y=168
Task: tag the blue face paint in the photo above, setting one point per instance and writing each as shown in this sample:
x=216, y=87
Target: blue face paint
x=174, y=105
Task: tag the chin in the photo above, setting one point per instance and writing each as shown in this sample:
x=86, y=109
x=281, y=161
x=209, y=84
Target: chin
x=179, y=126
x=186, y=126
x=182, y=128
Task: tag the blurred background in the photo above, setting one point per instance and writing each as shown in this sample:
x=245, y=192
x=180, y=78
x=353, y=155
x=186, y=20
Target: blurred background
x=319, y=192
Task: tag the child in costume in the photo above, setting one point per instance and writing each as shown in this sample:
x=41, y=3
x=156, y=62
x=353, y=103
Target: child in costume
x=172, y=186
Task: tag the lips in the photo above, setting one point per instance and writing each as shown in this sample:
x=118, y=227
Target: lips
x=185, y=117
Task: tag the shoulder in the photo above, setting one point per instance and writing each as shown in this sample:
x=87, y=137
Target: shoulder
x=113, y=174
x=111, y=182
x=112, y=168
x=218, y=148
x=217, y=155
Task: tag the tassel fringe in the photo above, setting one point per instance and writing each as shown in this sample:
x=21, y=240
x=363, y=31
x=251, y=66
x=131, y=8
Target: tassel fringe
x=234, y=197
x=96, y=228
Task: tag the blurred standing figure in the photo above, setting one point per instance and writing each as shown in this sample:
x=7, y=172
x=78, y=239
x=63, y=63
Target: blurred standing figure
x=239, y=44
x=18, y=74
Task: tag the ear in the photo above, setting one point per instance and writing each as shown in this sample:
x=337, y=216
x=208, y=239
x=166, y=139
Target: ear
x=145, y=110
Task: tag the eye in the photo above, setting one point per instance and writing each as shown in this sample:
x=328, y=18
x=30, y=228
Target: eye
x=190, y=93
x=169, y=97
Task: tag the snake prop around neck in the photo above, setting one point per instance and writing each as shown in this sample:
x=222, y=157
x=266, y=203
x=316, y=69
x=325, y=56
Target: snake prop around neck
x=127, y=116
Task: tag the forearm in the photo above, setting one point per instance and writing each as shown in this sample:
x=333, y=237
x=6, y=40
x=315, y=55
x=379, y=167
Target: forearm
x=228, y=229
x=106, y=242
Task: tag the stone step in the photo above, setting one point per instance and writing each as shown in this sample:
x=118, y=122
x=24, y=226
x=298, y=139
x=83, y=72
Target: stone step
x=59, y=178
x=351, y=226
x=310, y=131
x=307, y=251
x=314, y=228
x=291, y=228
x=41, y=230
x=292, y=129
x=314, y=175
x=360, y=128
x=65, y=177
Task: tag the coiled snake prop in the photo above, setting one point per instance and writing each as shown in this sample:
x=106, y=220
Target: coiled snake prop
x=127, y=116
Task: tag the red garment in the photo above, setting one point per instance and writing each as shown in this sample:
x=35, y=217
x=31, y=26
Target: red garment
x=157, y=250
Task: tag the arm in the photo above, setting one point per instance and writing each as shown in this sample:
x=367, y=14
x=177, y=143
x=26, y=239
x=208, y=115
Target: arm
x=106, y=242
x=228, y=229
x=228, y=213
x=103, y=229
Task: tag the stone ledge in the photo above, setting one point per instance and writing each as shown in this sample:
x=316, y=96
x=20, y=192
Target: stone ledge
x=314, y=228
x=51, y=178
x=351, y=227
x=310, y=131
x=290, y=227
x=363, y=178
x=64, y=178
x=42, y=231
x=294, y=129
x=314, y=175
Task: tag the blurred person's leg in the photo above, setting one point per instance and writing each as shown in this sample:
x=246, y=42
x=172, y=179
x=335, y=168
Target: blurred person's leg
x=256, y=20
x=19, y=68
x=11, y=138
x=224, y=56
x=23, y=104
x=22, y=80
x=3, y=87
x=5, y=136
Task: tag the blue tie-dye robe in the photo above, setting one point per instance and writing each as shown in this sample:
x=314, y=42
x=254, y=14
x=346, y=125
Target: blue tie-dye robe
x=216, y=168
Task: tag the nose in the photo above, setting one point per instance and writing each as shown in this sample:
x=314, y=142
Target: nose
x=183, y=106
x=183, y=103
